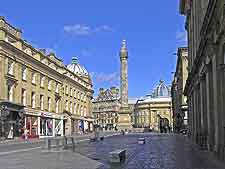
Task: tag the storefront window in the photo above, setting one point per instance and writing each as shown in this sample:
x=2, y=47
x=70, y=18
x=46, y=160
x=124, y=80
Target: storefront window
x=46, y=127
x=58, y=128
x=32, y=126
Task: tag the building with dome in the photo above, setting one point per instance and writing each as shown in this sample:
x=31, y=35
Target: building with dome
x=154, y=110
x=39, y=92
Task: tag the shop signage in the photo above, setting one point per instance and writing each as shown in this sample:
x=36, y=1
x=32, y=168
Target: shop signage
x=45, y=114
x=31, y=113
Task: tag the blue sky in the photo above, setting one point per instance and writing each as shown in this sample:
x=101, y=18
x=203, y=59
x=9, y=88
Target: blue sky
x=93, y=30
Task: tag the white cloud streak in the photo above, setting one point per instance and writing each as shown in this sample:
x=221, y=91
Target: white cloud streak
x=84, y=30
x=111, y=78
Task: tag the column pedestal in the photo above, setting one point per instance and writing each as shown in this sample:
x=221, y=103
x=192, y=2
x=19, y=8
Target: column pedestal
x=124, y=120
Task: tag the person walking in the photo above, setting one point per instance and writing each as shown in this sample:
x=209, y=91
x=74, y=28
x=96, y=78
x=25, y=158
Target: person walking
x=26, y=132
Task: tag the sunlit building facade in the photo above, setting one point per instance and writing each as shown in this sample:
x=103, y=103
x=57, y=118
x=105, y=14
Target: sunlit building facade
x=39, y=92
x=153, y=111
x=105, y=109
x=179, y=100
x=206, y=64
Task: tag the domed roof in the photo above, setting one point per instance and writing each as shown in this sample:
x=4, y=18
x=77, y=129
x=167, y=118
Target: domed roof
x=161, y=90
x=77, y=68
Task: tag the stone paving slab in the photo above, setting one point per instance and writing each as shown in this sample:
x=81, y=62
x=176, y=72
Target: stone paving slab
x=39, y=159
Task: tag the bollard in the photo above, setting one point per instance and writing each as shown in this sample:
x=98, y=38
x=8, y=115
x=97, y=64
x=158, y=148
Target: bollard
x=65, y=140
x=48, y=144
x=73, y=144
x=57, y=144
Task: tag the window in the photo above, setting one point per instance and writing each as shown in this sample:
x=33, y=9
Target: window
x=10, y=92
x=49, y=84
x=42, y=102
x=81, y=110
x=24, y=72
x=81, y=96
x=42, y=80
x=33, y=100
x=10, y=67
x=78, y=109
x=57, y=88
x=71, y=107
x=33, y=78
x=74, y=110
x=85, y=113
x=57, y=106
x=23, y=98
x=67, y=105
x=67, y=90
x=49, y=104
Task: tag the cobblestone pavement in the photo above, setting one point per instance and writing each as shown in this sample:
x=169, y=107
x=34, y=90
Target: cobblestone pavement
x=161, y=151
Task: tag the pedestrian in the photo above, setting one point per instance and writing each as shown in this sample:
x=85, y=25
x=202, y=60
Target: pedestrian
x=26, y=132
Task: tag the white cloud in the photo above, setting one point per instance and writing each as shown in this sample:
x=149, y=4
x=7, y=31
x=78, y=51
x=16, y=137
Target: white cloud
x=181, y=36
x=78, y=29
x=104, y=28
x=83, y=30
x=111, y=78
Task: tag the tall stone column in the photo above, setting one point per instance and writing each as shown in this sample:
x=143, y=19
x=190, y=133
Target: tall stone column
x=124, y=121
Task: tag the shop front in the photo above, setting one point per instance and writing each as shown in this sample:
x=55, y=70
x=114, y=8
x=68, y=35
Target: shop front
x=51, y=125
x=11, y=120
x=31, y=124
x=81, y=126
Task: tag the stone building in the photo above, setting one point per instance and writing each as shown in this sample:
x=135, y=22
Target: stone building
x=205, y=24
x=179, y=101
x=38, y=91
x=154, y=111
x=105, y=108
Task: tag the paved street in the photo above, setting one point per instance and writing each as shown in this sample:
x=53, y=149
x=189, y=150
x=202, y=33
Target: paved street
x=160, y=152
x=8, y=147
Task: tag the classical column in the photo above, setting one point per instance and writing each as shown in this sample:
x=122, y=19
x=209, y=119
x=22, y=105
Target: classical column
x=124, y=121
x=204, y=128
x=215, y=101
